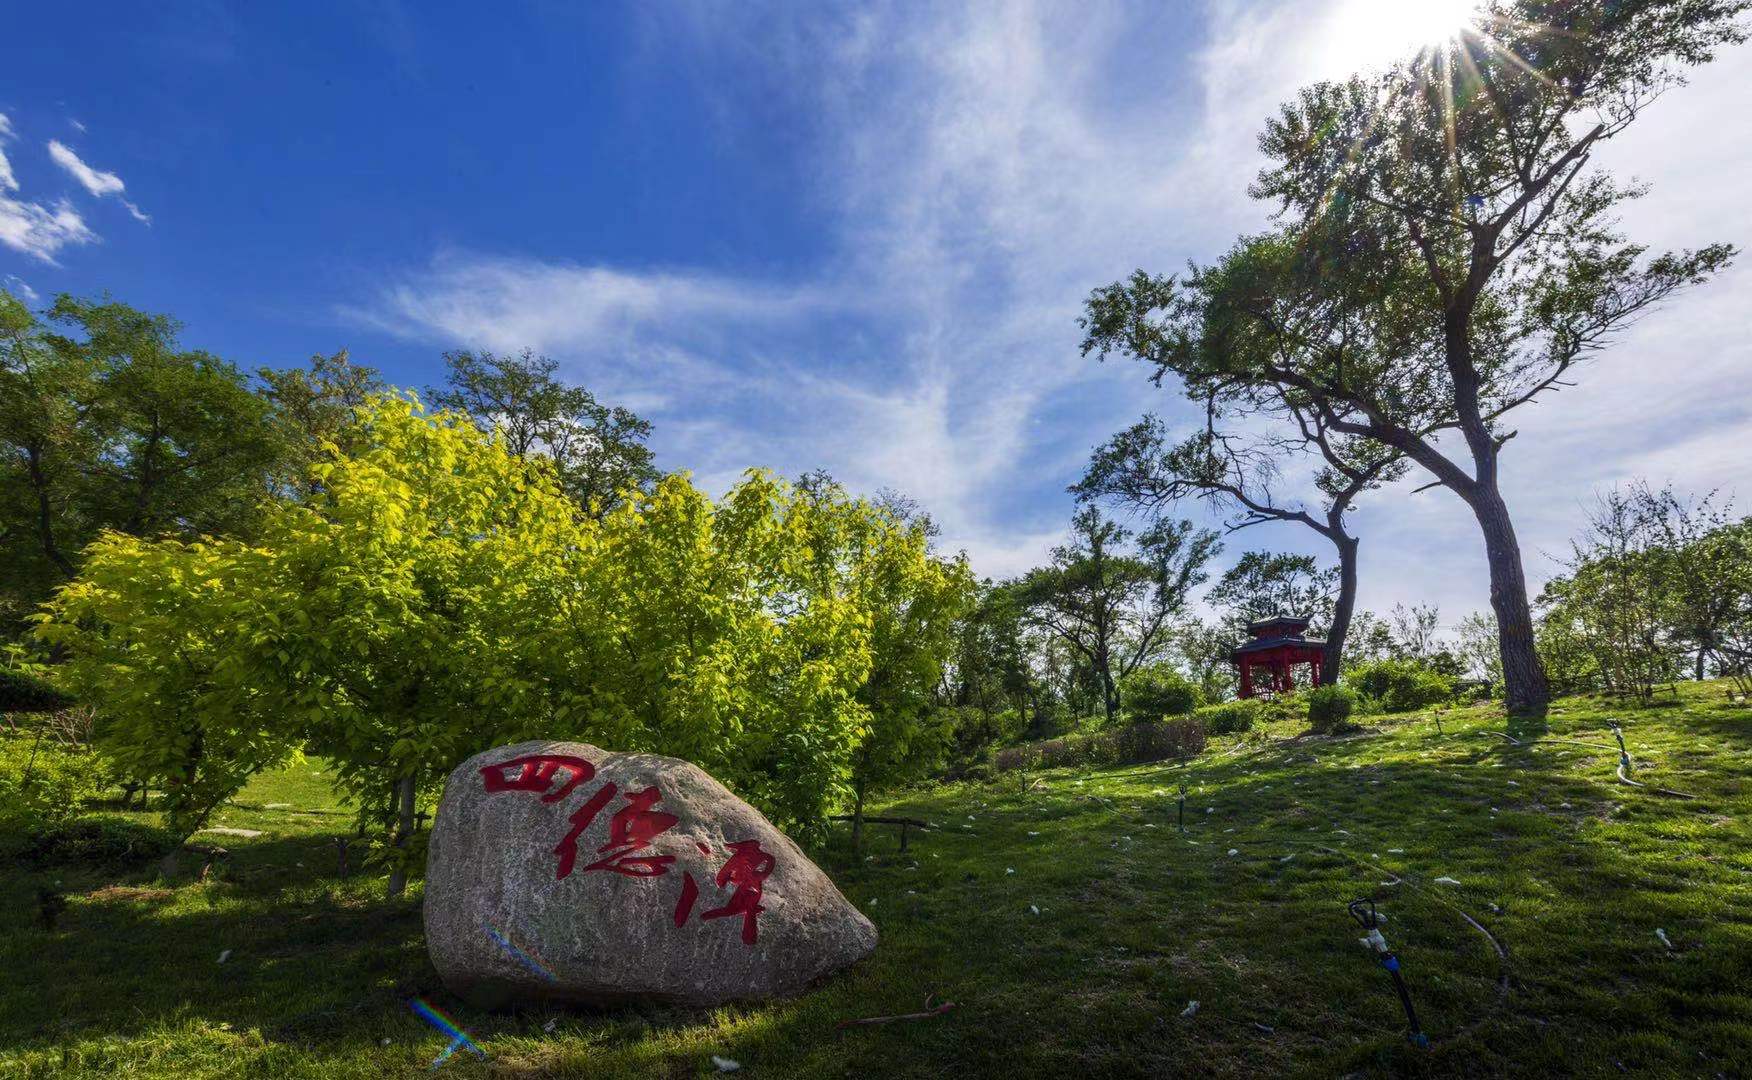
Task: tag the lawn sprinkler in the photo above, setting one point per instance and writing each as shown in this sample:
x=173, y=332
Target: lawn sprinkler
x=1623, y=754
x=1183, y=806
x=1363, y=911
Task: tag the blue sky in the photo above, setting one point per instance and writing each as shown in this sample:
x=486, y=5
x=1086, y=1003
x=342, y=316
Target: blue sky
x=796, y=235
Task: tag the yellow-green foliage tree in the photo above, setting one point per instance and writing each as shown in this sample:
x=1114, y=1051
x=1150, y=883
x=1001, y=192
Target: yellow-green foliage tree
x=393, y=611
x=915, y=602
x=159, y=633
x=434, y=595
x=761, y=637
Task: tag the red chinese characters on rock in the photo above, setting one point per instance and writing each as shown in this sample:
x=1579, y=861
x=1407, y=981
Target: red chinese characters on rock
x=745, y=873
x=535, y=772
x=631, y=831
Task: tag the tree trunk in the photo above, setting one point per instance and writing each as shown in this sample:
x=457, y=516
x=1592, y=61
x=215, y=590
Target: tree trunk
x=858, y=818
x=1104, y=668
x=404, y=832
x=1702, y=654
x=45, y=513
x=1333, y=655
x=1524, y=685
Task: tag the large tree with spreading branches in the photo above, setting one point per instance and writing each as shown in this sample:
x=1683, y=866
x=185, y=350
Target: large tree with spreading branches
x=1444, y=252
x=1237, y=474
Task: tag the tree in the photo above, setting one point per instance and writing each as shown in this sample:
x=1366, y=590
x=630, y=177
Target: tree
x=44, y=393
x=1477, y=648
x=397, y=603
x=380, y=622
x=1730, y=546
x=1371, y=640
x=598, y=451
x=1697, y=572
x=915, y=600
x=438, y=595
x=991, y=672
x=316, y=406
x=1112, y=606
x=159, y=634
x=1138, y=467
x=182, y=445
x=1442, y=255
x=1204, y=648
x=1265, y=584
x=106, y=423
x=1415, y=629
x=1615, y=601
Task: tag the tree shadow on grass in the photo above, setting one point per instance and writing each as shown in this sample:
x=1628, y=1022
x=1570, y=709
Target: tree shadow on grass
x=311, y=960
x=1134, y=921
x=131, y=952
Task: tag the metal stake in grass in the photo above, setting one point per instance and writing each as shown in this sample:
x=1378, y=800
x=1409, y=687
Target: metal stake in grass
x=1183, y=806
x=1623, y=754
x=1363, y=911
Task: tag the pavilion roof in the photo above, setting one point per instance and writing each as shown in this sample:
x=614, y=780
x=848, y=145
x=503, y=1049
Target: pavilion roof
x=1297, y=622
x=1267, y=644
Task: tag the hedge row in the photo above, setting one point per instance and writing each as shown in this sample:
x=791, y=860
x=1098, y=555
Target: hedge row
x=1130, y=745
x=20, y=691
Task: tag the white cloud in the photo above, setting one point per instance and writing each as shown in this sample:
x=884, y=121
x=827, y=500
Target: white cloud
x=95, y=181
x=30, y=227
x=41, y=231
x=508, y=303
x=21, y=288
x=8, y=182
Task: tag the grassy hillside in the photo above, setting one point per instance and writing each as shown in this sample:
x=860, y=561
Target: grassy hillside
x=1065, y=913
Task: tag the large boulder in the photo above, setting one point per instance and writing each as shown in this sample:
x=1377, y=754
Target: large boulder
x=559, y=871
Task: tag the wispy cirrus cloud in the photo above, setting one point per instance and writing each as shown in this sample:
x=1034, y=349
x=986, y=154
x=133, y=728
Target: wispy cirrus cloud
x=21, y=288
x=508, y=302
x=99, y=183
x=984, y=167
x=8, y=182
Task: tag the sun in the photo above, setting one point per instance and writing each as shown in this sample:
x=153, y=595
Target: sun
x=1373, y=33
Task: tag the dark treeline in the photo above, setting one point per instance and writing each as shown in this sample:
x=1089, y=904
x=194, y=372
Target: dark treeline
x=108, y=423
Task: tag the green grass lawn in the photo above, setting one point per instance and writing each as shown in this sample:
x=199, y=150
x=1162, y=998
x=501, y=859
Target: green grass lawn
x=1570, y=870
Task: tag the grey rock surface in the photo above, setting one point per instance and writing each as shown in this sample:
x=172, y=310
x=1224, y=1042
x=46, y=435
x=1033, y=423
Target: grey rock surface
x=559, y=871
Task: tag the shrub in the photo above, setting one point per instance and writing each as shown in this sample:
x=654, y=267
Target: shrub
x=1138, y=743
x=979, y=772
x=1059, y=753
x=1231, y=717
x=1129, y=745
x=1150, y=693
x=1330, y=707
x=1400, y=685
x=41, y=784
x=20, y=691
x=1290, y=706
x=102, y=840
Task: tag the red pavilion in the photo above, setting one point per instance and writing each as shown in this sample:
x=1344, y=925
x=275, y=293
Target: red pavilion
x=1277, y=644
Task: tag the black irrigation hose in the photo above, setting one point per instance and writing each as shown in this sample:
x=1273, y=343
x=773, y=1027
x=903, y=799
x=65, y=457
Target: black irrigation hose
x=1502, y=995
x=1624, y=762
x=1363, y=911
